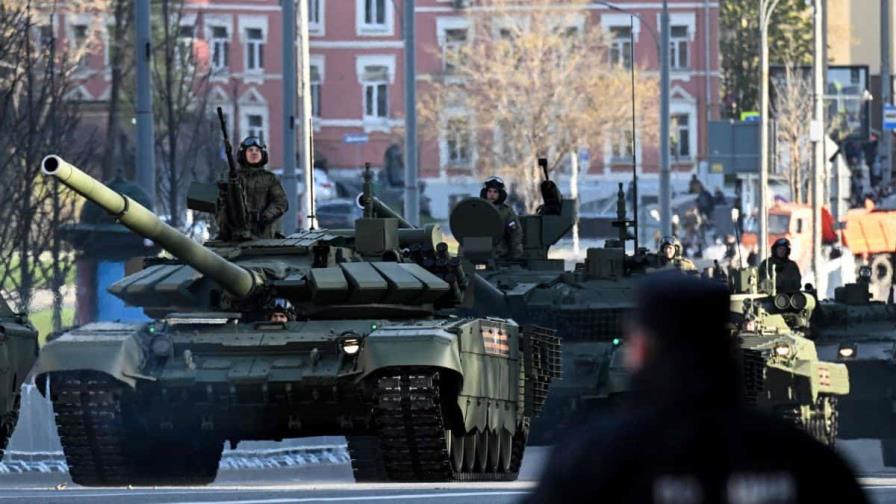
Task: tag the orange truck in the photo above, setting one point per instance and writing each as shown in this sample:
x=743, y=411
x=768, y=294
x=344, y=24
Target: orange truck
x=794, y=222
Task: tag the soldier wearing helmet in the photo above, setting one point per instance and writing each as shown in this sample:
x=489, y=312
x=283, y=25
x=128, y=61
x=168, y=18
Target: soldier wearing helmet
x=265, y=198
x=671, y=255
x=511, y=244
x=787, y=273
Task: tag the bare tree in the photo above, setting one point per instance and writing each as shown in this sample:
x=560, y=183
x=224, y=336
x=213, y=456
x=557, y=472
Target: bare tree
x=121, y=65
x=792, y=108
x=181, y=86
x=37, y=116
x=533, y=81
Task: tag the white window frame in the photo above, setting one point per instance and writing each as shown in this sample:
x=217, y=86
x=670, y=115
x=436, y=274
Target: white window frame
x=362, y=28
x=678, y=108
x=318, y=61
x=255, y=110
x=211, y=21
x=71, y=21
x=445, y=160
x=186, y=21
x=443, y=25
x=689, y=20
x=375, y=123
x=318, y=27
x=675, y=45
x=623, y=46
x=245, y=23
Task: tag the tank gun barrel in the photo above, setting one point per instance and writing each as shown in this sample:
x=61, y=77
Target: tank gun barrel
x=236, y=280
x=383, y=211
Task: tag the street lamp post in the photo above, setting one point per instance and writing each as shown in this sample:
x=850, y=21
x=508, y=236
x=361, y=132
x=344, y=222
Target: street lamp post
x=766, y=8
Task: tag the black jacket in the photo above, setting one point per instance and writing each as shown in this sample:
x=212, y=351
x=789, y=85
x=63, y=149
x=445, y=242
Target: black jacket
x=714, y=451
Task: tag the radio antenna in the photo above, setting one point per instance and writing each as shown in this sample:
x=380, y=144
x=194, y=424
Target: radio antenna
x=631, y=34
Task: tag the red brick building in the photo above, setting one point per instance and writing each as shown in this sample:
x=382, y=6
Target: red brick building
x=357, y=72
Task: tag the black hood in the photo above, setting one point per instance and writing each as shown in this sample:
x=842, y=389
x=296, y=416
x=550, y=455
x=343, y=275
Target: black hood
x=694, y=354
x=502, y=195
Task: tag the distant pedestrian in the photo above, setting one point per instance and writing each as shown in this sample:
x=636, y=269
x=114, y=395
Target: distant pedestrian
x=870, y=150
x=695, y=186
x=688, y=436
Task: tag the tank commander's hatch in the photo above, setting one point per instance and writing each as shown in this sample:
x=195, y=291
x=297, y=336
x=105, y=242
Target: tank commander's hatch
x=477, y=227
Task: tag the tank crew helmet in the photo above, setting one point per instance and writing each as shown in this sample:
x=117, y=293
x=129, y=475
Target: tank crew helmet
x=281, y=307
x=670, y=241
x=252, y=141
x=496, y=183
x=781, y=242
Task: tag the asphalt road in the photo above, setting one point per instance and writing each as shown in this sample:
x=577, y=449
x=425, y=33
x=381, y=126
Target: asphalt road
x=334, y=483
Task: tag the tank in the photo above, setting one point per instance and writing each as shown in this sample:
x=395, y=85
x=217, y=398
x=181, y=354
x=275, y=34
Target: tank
x=18, y=351
x=420, y=397
x=861, y=334
x=782, y=369
x=587, y=307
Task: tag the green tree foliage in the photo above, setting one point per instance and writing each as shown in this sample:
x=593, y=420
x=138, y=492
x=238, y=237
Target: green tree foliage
x=790, y=40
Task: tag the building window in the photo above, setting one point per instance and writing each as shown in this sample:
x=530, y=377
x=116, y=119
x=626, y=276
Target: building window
x=220, y=48
x=45, y=37
x=184, y=47
x=622, y=147
x=621, y=46
x=375, y=13
x=681, y=136
x=455, y=39
x=315, y=90
x=457, y=138
x=678, y=48
x=376, y=92
x=254, y=49
x=79, y=35
x=314, y=14
x=255, y=124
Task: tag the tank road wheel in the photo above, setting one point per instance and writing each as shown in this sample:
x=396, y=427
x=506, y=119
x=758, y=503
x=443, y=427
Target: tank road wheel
x=416, y=445
x=456, y=451
x=494, y=450
x=470, y=445
x=8, y=423
x=828, y=419
x=367, y=459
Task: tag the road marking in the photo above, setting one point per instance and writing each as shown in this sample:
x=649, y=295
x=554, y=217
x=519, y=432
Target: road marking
x=356, y=498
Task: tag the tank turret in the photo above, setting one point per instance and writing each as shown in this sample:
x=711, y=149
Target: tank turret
x=318, y=271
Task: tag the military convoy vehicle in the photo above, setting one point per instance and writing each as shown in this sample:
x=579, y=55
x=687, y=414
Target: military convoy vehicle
x=420, y=397
x=587, y=306
x=861, y=333
x=782, y=370
x=18, y=351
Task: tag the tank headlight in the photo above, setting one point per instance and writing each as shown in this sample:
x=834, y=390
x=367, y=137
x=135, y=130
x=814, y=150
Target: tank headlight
x=350, y=346
x=847, y=351
x=783, y=350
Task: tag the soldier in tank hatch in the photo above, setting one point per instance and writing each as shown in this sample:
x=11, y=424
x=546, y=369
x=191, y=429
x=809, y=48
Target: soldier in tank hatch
x=511, y=244
x=687, y=434
x=671, y=255
x=787, y=273
x=265, y=198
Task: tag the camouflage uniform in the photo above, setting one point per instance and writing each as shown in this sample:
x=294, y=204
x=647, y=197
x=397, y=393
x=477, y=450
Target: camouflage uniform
x=678, y=261
x=511, y=244
x=787, y=274
x=265, y=198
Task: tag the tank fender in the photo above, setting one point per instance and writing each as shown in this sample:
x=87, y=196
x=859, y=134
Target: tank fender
x=401, y=346
x=828, y=378
x=108, y=347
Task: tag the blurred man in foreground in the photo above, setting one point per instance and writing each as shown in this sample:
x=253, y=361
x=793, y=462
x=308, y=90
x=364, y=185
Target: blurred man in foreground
x=687, y=436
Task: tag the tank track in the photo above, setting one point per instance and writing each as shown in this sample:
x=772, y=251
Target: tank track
x=822, y=428
x=8, y=424
x=414, y=443
x=103, y=448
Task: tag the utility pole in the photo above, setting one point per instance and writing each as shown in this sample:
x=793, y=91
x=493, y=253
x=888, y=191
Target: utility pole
x=817, y=136
x=886, y=98
x=290, y=91
x=574, y=194
x=665, y=161
x=146, y=164
x=766, y=8
x=411, y=189
x=305, y=127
